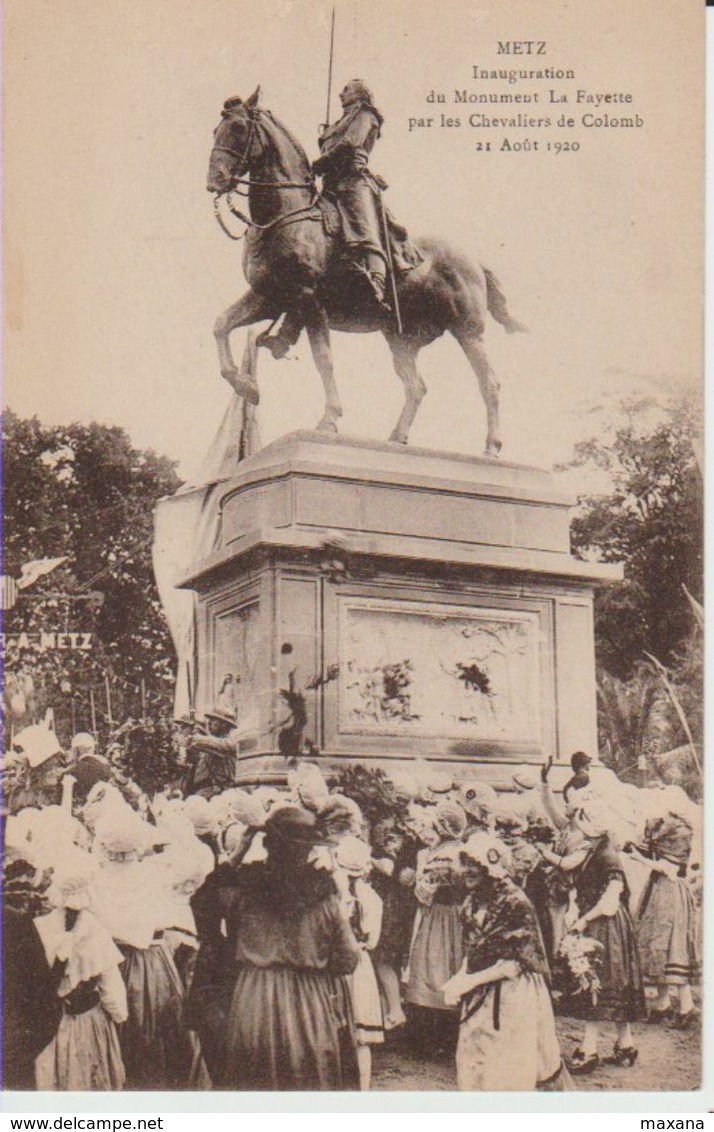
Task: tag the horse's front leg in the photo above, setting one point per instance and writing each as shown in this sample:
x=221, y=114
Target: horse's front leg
x=318, y=332
x=250, y=308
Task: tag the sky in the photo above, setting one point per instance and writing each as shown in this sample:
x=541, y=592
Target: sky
x=115, y=268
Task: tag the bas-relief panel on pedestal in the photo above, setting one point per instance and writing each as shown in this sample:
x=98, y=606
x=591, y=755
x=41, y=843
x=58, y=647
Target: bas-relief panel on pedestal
x=235, y=675
x=423, y=669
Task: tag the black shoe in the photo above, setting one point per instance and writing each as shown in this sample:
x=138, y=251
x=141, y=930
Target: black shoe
x=622, y=1055
x=665, y=1015
x=581, y=1063
x=687, y=1021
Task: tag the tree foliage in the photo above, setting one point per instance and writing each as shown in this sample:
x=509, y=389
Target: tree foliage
x=375, y=794
x=633, y=718
x=651, y=520
x=84, y=492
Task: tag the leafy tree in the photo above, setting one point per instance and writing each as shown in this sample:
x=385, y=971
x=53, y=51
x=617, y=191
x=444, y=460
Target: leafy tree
x=83, y=492
x=374, y=792
x=149, y=753
x=633, y=720
x=651, y=519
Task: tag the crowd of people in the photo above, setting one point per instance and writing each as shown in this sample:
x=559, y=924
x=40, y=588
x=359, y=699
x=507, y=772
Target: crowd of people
x=274, y=936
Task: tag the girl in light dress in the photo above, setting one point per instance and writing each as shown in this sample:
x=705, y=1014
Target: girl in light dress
x=85, y=1052
x=507, y=1038
x=353, y=858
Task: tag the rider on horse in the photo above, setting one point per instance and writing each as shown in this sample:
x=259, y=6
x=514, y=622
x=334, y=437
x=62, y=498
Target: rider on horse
x=344, y=150
x=364, y=223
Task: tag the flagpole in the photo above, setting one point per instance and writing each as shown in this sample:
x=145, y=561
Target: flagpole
x=93, y=711
x=110, y=717
x=329, y=70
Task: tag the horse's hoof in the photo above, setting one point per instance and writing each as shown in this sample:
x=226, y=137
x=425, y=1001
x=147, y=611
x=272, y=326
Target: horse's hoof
x=397, y=438
x=493, y=450
x=327, y=426
x=242, y=386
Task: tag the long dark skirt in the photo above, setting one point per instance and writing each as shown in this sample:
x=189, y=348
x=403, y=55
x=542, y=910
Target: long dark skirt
x=159, y=1051
x=621, y=997
x=288, y=1029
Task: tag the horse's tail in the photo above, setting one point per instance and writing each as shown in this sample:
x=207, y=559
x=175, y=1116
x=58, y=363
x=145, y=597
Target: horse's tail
x=496, y=301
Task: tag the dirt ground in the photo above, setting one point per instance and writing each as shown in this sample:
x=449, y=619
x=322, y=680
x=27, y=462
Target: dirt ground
x=668, y=1059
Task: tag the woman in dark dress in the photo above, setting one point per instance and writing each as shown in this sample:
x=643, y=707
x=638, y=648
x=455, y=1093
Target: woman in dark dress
x=288, y=1026
x=211, y=991
x=395, y=886
x=31, y=1009
x=604, y=916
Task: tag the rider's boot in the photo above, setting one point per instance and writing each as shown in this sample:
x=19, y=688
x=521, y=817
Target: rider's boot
x=374, y=269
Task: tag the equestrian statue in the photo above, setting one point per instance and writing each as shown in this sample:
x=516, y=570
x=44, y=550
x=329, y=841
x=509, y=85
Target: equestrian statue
x=336, y=259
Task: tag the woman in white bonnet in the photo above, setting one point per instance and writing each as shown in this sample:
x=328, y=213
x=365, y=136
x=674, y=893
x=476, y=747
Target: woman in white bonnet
x=134, y=903
x=85, y=1052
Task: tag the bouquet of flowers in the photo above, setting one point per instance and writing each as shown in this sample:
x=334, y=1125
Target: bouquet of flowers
x=579, y=961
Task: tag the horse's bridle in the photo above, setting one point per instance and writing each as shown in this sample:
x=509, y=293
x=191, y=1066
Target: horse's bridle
x=243, y=161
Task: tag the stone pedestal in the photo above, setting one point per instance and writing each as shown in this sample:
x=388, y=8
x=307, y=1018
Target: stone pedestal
x=425, y=603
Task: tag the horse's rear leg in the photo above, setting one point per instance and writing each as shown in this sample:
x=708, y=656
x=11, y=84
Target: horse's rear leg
x=318, y=332
x=472, y=346
x=404, y=353
x=250, y=308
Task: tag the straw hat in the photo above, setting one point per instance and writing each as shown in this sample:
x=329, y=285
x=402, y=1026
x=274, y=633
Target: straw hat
x=526, y=777
x=225, y=715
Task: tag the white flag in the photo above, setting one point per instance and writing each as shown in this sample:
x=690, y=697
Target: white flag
x=31, y=571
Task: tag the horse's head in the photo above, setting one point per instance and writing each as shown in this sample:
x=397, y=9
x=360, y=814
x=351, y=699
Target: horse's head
x=234, y=143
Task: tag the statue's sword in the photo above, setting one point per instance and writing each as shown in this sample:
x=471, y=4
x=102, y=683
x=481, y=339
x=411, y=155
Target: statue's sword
x=390, y=265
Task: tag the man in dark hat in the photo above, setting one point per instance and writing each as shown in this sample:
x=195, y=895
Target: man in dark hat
x=580, y=763
x=87, y=766
x=213, y=756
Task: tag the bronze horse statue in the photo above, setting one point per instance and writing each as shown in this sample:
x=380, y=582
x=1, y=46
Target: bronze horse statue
x=292, y=263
